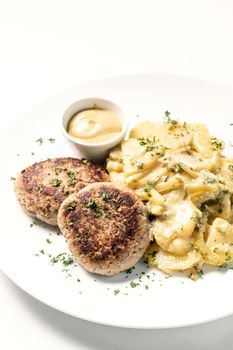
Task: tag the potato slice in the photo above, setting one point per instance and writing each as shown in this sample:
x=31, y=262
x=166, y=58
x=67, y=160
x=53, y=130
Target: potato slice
x=220, y=232
x=173, y=138
x=116, y=153
x=180, y=161
x=179, y=223
x=170, y=263
x=151, y=176
x=226, y=172
x=114, y=165
x=220, y=242
x=172, y=183
x=144, y=129
x=201, y=142
x=173, y=197
x=206, y=182
x=136, y=158
x=155, y=205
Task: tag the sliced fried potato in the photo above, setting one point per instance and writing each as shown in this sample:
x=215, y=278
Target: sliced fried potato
x=173, y=138
x=170, y=263
x=201, y=142
x=116, y=153
x=171, y=184
x=179, y=223
x=114, y=165
x=136, y=158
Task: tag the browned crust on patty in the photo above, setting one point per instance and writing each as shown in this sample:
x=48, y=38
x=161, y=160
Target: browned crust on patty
x=43, y=186
x=106, y=227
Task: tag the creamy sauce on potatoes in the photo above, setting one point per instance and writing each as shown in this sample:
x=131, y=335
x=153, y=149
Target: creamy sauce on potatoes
x=178, y=170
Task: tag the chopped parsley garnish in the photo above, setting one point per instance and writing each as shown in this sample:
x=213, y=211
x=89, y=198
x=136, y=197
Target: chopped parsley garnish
x=210, y=180
x=51, y=140
x=48, y=241
x=78, y=280
x=148, y=186
x=94, y=206
x=85, y=161
x=210, y=202
x=139, y=164
x=71, y=222
x=40, y=252
x=144, y=141
x=116, y=291
x=72, y=182
x=71, y=178
x=153, y=254
x=57, y=258
x=149, y=143
x=33, y=223
x=228, y=257
x=150, y=148
x=64, y=258
x=55, y=182
x=134, y=284
x=68, y=261
x=32, y=153
x=216, y=144
x=228, y=265
x=230, y=166
x=12, y=178
x=40, y=141
x=71, y=206
x=58, y=171
x=169, y=120
x=129, y=270
x=198, y=271
x=105, y=196
x=174, y=124
x=177, y=168
x=199, y=219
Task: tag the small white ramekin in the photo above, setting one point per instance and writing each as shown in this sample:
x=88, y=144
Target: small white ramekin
x=95, y=151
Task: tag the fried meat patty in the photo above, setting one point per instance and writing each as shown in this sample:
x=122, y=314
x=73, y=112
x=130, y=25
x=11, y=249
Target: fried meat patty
x=43, y=186
x=106, y=227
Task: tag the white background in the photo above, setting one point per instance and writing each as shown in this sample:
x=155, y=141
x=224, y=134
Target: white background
x=47, y=46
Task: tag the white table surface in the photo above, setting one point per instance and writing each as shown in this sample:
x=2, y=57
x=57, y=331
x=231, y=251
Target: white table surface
x=47, y=46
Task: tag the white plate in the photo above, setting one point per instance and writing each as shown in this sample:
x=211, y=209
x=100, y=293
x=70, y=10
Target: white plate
x=168, y=302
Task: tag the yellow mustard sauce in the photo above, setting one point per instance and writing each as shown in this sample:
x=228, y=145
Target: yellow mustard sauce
x=94, y=125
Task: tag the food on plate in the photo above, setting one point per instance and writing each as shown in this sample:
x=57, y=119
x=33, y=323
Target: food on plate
x=106, y=227
x=179, y=172
x=170, y=197
x=43, y=186
x=94, y=125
